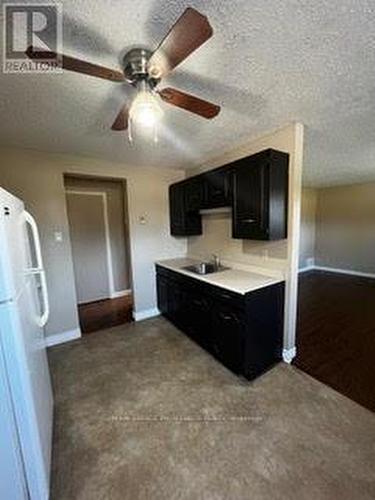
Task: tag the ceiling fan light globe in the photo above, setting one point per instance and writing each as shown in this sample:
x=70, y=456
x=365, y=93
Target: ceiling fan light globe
x=144, y=115
x=145, y=111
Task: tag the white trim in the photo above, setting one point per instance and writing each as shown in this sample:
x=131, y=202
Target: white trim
x=345, y=271
x=289, y=354
x=114, y=295
x=120, y=293
x=98, y=299
x=61, y=338
x=108, y=245
x=349, y=272
x=306, y=269
x=107, y=236
x=295, y=151
x=147, y=313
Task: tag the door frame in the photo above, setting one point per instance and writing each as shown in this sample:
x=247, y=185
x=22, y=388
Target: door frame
x=103, y=195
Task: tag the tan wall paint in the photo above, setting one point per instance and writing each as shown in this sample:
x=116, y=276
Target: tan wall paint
x=308, y=225
x=279, y=255
x=37, y=178
x=345, y=233
x=117, y=221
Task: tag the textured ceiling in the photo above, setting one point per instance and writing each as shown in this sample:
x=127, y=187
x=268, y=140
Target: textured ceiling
x=269, y=63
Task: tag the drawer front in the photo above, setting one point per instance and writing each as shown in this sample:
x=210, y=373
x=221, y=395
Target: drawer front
x=227, y=298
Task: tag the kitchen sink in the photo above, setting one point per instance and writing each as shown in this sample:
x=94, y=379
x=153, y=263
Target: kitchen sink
x=205, y=268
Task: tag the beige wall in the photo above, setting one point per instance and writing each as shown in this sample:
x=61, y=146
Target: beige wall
x=117, y=222
x=308, y=226
x=279, y=256
x=37, y=178
x=345, y=231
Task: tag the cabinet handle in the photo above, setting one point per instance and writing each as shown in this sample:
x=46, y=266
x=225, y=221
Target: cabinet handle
x=226, y=317
x=249, y=221
x=232, y=317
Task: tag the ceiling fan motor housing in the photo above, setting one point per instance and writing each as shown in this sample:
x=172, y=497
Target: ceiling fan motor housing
x=135, y=66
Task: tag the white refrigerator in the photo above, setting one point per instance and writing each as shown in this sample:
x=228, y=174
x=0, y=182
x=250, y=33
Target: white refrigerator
x=26, y=401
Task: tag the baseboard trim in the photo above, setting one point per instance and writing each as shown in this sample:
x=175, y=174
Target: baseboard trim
x=120, y=293
x=349, y=272
x=345, y=271
x=61, y=338
x=92, y=300
x=147, y=313
x=306, y=269
x=289, y=354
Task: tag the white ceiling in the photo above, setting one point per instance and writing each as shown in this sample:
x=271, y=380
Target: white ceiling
x=268, y=63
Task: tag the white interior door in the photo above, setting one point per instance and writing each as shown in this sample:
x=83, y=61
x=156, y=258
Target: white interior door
x=90, y=246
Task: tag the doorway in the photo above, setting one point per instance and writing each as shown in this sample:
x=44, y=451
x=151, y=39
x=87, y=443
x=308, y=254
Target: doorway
x=98, y=224
x=336, y=320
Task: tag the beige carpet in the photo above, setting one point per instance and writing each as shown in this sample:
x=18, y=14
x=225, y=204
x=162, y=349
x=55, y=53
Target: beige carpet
x=144, y=413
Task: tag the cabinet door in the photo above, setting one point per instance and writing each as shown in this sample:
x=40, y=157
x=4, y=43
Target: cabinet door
x=264, y=339
x=193, y=194
x=250, y=204
x=162, y=293
x=228, y=330
x=176, y=309
x=198, y=317
x=182, y=221
x=176, y=209
x=217, y=189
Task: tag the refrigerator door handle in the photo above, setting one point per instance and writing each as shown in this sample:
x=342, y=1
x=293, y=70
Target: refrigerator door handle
x=42, y=320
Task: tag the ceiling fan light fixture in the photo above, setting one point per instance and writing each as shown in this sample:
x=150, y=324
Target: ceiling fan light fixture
x=144, y=69
x=145, y=112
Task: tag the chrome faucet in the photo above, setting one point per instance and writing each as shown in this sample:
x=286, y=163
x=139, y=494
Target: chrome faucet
x=216, y=260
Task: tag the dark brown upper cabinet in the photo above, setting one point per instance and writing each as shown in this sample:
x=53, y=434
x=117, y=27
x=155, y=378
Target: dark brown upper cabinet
x=194, y=192
x=217, y=188
x=260, y=197
x=256, y=188
x=183, y=220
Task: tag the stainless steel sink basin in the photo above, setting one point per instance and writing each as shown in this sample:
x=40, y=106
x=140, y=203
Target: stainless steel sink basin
x=205, y=268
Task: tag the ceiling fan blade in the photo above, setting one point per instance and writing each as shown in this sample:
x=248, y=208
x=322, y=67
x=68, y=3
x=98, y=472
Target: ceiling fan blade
x=77, y=65
x=189, y=32
x=121, y=122
x=189, y=102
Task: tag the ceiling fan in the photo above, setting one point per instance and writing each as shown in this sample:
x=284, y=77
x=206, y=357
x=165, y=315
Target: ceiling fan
x=145, y=69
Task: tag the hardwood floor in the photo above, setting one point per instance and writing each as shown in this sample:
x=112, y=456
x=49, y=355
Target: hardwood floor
x=105, y=313
x=336, y=333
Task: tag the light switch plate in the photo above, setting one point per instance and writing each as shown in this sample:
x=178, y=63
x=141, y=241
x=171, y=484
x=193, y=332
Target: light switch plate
x=58, y=236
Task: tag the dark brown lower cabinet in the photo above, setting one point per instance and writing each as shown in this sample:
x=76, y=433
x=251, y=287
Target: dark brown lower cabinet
x=244, y=332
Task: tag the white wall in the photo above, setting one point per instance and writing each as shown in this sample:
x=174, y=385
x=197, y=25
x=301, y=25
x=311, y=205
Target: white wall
x=37, y=178
x=276, y=255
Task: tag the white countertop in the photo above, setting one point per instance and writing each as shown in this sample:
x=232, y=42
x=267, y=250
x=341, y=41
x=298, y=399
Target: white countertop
x=234, y=279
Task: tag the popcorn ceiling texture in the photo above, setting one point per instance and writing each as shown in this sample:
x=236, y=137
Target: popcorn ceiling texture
x=268, y=63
